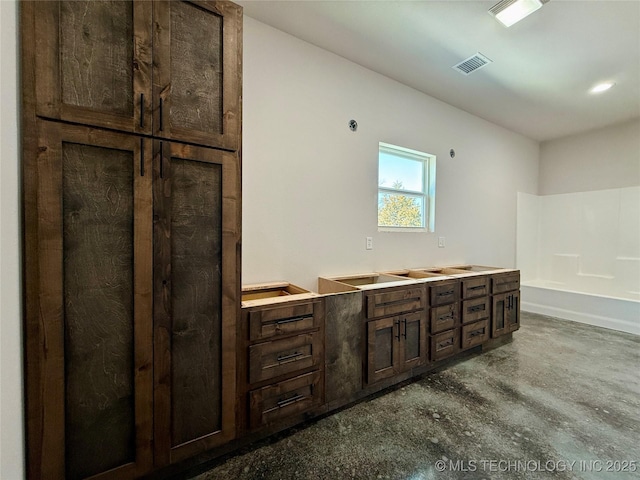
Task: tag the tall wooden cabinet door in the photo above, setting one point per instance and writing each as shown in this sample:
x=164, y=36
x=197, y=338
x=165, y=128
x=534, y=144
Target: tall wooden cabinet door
x=383, y=348
x=88, y=312
x=414, y=344
x=197, y=72
x=93, y=62
x=197, y=297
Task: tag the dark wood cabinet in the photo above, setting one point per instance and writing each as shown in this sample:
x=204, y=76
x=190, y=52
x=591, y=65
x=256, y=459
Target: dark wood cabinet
x=131, y=127
x=395, y=343
x=196, y=279
x=280, y=361
x=167, y=68
x=445, y=318
x=89, y=350
x=505, y=312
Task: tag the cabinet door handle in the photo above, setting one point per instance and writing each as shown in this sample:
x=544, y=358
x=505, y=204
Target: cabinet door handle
x=161, y=116
x=282, y=358
x=397, y=324
x=161, y=160
x=142, y=157
x=142, y=110
x=405, y=328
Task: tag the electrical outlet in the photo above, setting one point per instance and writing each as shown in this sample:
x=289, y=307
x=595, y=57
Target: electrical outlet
x=369, y=243
x=440, y=242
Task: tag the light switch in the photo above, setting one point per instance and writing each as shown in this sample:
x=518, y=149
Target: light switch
x=369, y=243
x=440, y=242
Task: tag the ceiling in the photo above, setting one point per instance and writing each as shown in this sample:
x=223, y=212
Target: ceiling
x=542, y=70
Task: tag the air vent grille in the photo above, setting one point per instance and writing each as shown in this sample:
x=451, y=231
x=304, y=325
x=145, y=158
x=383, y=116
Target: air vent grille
x=471, y=64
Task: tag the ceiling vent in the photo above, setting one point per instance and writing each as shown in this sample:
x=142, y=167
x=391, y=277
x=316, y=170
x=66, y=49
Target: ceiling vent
x=472, y=64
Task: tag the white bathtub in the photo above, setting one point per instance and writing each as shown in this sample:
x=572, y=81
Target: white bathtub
x=621, y=314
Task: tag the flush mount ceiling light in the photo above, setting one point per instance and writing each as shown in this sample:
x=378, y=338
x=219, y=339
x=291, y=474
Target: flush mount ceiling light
x=602, y=87
x=509, y=12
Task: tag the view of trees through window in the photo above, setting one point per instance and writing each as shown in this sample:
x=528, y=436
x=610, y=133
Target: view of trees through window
x=405, y=180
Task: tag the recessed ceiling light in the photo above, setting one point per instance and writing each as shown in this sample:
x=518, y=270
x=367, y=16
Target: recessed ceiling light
x=509, y=12
x=602, y=87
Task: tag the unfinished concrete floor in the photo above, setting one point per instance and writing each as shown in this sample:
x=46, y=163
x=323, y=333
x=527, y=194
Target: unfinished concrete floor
x=562, y=400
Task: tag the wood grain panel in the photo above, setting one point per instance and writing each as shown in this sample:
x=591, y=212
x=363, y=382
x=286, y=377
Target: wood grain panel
x=414, y=341
x=197, y=72
x=98, y=298
x=94, y=63
x=97, y=54
x=197, y=294
x=382, y=348
x=343, y=347
x=196, y=245
x=196, y=54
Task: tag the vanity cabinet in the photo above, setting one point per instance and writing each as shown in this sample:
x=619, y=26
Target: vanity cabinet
x=281, y=361
x=444, y=318
x=476, y=311
x=163, y=68
x=397, y=341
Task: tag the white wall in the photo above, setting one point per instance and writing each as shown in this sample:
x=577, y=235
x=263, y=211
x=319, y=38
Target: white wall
x=310, y=184
x=601, y=159
x=11, y=406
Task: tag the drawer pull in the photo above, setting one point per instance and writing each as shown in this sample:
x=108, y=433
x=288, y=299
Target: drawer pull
x=282, y=358
x=445, y=344
x=476, y=308
x=290, y=320
x=479, y=287
x=289, y=401
x=448, y=316
x=445, y=294
x=475, y=333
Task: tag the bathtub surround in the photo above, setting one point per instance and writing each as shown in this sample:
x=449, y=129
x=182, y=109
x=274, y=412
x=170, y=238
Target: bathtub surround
x=584, y=243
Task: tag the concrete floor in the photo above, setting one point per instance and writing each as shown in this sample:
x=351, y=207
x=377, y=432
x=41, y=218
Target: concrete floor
x=561, y=392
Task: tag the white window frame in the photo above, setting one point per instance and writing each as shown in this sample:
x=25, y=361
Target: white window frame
x=428, y=195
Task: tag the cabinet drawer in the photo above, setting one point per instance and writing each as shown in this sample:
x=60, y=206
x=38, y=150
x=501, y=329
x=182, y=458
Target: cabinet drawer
x=445, y=344
x=288, y=355
x=445, y=292
x=290, y=397
x=475, y=287
x=475, y=334
x=505, y=282
x=270, y=322
x=444, y=317
x=476, y=309
x=395, y=301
